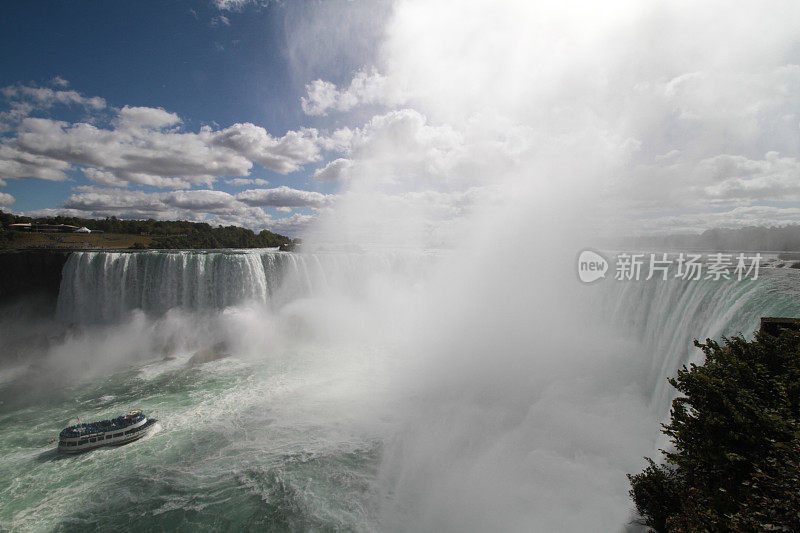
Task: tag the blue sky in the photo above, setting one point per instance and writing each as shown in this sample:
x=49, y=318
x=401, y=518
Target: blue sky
x=387, y=118
x=158, y=54
x=213, y=64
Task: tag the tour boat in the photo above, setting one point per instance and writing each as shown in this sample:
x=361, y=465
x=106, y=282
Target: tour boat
x=120, y=430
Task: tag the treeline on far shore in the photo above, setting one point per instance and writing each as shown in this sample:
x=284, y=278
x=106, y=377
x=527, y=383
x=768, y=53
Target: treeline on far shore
x=158, y=234
x=751, y=238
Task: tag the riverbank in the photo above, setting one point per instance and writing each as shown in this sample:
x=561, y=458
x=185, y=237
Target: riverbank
x=77, y=241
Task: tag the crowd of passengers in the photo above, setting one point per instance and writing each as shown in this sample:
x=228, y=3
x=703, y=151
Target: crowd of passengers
x=120, y=422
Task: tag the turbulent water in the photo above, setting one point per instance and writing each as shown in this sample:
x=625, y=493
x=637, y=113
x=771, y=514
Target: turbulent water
x=296, y=421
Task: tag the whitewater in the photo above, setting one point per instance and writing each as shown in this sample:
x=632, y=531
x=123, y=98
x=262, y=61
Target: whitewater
x=336, y=402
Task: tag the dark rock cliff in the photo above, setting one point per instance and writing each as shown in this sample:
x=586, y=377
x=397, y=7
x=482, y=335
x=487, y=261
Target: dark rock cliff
x=31, y=274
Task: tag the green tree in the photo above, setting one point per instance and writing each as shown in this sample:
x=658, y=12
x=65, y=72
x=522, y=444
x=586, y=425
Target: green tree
x=736, y=438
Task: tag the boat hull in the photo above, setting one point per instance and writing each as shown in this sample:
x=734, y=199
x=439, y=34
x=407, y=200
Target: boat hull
x=102, y=441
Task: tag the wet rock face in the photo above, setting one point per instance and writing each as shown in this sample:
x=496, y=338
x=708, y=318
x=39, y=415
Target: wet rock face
x=214, y=353
x=31, y=273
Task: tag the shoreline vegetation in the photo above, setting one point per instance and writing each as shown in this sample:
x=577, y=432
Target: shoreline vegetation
x=734, y=460
x=752, y=238
x=114, y=233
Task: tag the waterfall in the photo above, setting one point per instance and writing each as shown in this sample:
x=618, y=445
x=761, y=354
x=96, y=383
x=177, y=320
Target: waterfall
x=666, y=317
x=104, y=286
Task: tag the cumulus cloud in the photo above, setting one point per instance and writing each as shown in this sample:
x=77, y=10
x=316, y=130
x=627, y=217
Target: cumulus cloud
x=103, y=178
x=199, y=200
x=673, y=126
x=145, y=118
x=125, y=203
x=336, y=170
x=284, y=197
x=19, y=164
x=678, y=126
x=214, y=207
x=57, y=211
x=25, y=99
x=133, y=152
x=403, y=151
x=675, y=181
x=6, y=199
x=399, y=146
x=292, y=225
x=283, y=155
x=366, y=87
x=147, y=146
x=46, y=97
x=244, y=182
x=734, y=177
x=102, y=201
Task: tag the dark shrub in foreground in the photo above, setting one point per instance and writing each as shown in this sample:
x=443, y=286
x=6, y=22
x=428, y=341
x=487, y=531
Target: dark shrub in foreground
x=736, y=459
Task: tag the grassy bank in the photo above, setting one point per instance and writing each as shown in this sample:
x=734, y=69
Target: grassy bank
x=23, y=240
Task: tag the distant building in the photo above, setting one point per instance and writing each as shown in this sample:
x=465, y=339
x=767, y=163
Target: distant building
x=83, y=230
x=44, y=228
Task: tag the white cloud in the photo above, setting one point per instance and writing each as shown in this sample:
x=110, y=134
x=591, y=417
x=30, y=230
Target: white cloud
x=403, y=150
x=6, y=199
x=735, y=178
x=293, y=225
x=56, y=211
x=25, y=99
x=738, y=217
x=336, y=170
x=44, y=97
x=559, y=98
x=365, y=88
x=58, y=81
x=113, y=201
x=547, y=97
x=220, y=20
x=103, y=178
x=146, y=146
x=105, y=200
x=145, y=118
x=682, y=183
x=201, y=200
x=283, y=155
x=237, y=5
x=338, y=141
x=130, y=153
x=284, y=197
x=214, y=207
x=244, y=182
x=19, y=164
x=17, y=111
x=320, y=96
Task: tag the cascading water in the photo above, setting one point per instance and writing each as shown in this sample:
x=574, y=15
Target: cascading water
x=533, y=420
x=104, y=286
x=667, y=316
x=297, y=429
